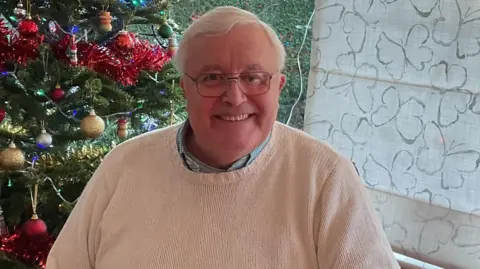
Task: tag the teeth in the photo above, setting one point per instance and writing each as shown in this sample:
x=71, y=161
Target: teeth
x=235, y=118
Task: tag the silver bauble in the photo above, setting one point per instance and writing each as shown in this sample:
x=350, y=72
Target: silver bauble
x=44, y=140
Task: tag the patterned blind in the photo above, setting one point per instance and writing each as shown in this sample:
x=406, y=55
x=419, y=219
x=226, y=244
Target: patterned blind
x=395, y=86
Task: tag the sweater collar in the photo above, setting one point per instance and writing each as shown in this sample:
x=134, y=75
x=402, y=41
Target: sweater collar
x=195, y=165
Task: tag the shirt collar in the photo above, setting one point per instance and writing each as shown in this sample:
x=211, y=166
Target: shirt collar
x=192, y=163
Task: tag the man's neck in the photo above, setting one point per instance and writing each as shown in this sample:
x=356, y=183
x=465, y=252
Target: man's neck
x=215, y=158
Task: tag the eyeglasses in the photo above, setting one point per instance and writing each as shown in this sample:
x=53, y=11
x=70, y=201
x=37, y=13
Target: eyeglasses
x=216, y=84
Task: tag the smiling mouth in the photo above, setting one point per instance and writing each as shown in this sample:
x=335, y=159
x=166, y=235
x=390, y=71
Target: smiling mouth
x=241, y=117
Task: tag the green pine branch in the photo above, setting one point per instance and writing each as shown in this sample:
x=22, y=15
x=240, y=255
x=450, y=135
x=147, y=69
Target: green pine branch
x=63, y=169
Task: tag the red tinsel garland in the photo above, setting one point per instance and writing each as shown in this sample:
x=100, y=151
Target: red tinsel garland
x=122, y=58
x=25, y=49
x=29, y=250
x=17, y=48
x=3, y=27
x=88, y=54
x=126, y=62
x=5, y=48
x=123, y=64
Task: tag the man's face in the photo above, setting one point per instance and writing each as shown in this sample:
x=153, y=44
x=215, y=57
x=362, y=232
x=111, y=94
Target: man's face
x=222, y=121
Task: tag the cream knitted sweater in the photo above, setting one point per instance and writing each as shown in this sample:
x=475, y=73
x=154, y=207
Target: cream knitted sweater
x=298, y=205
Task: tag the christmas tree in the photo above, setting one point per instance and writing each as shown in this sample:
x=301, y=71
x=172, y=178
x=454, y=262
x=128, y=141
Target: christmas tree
x=75, y=81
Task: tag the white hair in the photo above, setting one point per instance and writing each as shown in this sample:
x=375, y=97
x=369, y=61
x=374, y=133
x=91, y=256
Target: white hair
x=220, y=21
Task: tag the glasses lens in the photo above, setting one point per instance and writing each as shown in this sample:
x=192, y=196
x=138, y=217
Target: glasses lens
x=254, y=83
x=214, y=85
x=211, y=84
x=211, y=80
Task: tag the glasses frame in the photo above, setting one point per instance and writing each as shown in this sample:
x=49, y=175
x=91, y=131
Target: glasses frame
x=230, y=78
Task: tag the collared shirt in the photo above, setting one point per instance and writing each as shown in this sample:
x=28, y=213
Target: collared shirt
x=196, y=165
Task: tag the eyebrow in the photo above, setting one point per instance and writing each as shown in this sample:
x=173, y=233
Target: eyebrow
x=254, y=67
x=216, y=67
x=212, y=67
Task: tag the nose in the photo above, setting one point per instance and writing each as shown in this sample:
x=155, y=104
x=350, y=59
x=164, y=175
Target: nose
x=234, y=96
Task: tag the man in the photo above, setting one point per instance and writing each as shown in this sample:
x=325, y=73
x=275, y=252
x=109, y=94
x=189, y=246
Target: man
x=230, y=188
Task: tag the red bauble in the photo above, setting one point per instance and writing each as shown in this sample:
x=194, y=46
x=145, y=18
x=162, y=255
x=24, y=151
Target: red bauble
x=35, y=227
x=28, y=28
x=3, y=113
x=57, y=94
x=124, y=40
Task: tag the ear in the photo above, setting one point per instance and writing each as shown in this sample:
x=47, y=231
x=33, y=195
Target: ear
x=283, y=81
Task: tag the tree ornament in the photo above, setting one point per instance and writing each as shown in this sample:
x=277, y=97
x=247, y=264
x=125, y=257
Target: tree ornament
x=72, y=90
x=165, y=30
x=27, y=27
x=72, y=51
x=3, y=114
x=122, y=130
x=44, y=139
x=57, y=94
x=19, y=11
x=124, y=40
x=12, y=158
x=92, y=125
x=52, y=26
x=105, y=21
x=35, y=227
x=172, y=46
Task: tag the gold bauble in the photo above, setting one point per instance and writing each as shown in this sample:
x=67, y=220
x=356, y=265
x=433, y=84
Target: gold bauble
x=12, y=158
x=92, y=126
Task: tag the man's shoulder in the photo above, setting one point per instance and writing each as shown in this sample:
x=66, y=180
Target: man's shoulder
x=146, y=142
x=304, y=143
x=310, y=162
